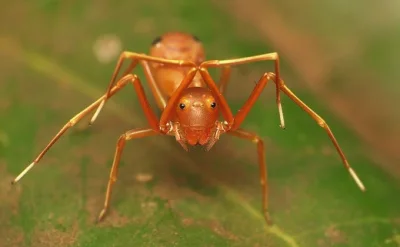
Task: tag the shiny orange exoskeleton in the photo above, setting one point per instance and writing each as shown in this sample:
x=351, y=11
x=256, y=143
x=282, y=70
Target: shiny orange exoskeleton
x=192, y=104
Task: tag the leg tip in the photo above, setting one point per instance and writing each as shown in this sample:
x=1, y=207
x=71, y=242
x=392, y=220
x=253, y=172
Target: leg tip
x=101, y=216
x=268, y=218
x=97, y=221
x=356, y=179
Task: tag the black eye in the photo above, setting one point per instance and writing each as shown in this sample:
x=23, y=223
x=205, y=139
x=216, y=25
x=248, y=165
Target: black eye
x=213, y=104
x=181, y=105
x=156, y=40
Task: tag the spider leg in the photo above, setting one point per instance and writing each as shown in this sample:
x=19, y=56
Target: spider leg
x=152, y=119
x=129, y=135
x=225, y=109
x=224, y=79
x=136, y=58
x=264, y=57
x=169, y=109
x=321, y=122
x=262, y=165
x=245, y=109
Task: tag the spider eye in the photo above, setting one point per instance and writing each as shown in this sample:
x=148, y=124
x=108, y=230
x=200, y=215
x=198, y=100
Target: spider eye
x=213, y=104
x=156, y=40
x=182, y=106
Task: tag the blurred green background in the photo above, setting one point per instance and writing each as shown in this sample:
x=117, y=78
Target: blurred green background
x=338, y=57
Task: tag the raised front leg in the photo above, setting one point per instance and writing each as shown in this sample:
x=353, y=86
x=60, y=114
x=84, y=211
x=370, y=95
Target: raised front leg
x=135, y=59
x=238, y=61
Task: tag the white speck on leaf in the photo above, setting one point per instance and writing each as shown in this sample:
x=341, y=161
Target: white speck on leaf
x=144, y=177
x=107, y=48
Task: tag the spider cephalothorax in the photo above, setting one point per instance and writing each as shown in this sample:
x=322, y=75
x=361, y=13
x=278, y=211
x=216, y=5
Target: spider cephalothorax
x=196, y=118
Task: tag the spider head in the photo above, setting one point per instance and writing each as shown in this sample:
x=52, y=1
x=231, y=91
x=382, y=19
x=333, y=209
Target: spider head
x=197, y=114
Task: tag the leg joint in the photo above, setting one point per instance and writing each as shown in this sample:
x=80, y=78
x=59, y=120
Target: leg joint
x=322, y=123
x=269, y=75
x=122, y=138
x=126, y=54
x=132, y=77
x=257, y=140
